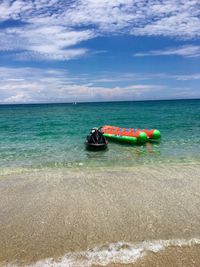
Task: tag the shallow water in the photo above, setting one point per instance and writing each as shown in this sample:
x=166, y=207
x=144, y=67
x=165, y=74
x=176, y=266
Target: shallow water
x=62, y=205
x=98, y=216
x=53, y=135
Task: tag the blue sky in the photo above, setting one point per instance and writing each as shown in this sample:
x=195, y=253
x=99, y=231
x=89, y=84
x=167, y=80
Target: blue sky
x=99, y=50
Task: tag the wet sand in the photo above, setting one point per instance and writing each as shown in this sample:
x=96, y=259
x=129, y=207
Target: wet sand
x=176, y=257
x=48, y=213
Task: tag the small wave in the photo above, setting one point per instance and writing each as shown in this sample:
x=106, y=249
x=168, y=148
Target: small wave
x=14, y=170
x=120, y=252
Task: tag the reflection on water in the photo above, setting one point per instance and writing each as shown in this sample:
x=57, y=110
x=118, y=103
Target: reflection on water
x=54, y=135
x=126, y=154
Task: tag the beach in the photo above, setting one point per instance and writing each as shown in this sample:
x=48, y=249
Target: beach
x=99, y=133
x=64, y=206
x=140, y=215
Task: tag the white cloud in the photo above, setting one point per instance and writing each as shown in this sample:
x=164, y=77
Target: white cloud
x=35, y=85
x=185, y=51
x=117, y=78
x=186, y=77
x=32, y=85
x=42, y=42
x=51, y=25
x=178, y=18
x=67, y=54
x=185, y=93
x=20, y=97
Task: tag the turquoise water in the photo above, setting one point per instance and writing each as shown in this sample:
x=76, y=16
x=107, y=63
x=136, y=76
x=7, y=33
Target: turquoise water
x=52, y=135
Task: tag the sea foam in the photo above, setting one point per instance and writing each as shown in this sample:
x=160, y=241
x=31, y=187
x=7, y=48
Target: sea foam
x=119, y=252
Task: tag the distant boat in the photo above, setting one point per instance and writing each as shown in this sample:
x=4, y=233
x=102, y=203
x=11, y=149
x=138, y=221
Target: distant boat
x=75, y=98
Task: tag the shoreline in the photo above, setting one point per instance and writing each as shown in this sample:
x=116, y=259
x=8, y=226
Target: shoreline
x=48, y=213
x=7, y=171
x=186, y=256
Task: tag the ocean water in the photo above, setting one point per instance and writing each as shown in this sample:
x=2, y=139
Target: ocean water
x=64, y=213
x=53, y=135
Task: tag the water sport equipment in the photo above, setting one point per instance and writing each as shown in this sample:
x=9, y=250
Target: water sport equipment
x=96, y=140
x=152, y=133
x=129, y=135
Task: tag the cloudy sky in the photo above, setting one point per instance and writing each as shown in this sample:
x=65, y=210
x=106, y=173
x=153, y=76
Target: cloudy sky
x=99, y=50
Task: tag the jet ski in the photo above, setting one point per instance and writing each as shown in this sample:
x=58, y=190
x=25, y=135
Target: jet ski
x=96, y=140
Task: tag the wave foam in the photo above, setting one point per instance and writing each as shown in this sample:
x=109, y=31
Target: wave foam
x=120, y=252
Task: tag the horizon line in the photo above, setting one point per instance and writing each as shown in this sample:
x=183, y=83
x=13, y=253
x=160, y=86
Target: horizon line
x=91, y=102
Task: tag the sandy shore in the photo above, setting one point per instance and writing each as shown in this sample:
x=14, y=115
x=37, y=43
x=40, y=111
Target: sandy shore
x=51, y=212
x=181, y=257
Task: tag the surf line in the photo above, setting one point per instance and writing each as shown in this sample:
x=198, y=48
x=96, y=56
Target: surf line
x=119, y=252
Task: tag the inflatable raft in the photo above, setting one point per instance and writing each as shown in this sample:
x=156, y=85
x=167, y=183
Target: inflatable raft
x=130, y=135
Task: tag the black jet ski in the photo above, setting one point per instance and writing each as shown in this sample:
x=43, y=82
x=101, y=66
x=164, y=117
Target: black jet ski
x=96, y=140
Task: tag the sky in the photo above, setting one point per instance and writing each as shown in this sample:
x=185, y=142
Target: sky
x=99, y=50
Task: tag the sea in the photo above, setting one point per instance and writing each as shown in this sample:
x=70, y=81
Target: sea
x=53, y=135
x=130, y=205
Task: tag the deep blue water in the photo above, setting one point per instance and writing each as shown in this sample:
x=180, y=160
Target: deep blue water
x=49, y=135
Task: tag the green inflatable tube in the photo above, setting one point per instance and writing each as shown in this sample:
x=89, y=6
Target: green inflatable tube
x=156, y=134
x=142, y=138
